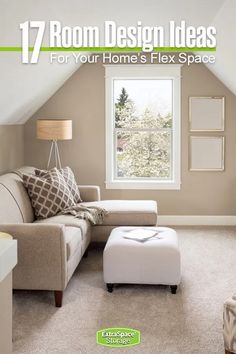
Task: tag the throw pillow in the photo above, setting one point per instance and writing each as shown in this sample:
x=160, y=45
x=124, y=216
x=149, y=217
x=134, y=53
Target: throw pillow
x=69, y=177
x=49, y=195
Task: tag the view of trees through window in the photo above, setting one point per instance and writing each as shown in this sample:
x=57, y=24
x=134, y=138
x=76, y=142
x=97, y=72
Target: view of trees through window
x=143, y=128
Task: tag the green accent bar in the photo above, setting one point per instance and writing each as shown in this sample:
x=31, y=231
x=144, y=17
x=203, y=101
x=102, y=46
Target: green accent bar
x=109, y=49
x=10, y=49
x=183, y=49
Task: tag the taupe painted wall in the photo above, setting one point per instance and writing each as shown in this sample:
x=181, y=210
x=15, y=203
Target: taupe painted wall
x=82, y=98
x=6, y=315
x=11, y=147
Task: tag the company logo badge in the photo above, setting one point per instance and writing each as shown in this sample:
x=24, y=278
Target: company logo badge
x=118, y=337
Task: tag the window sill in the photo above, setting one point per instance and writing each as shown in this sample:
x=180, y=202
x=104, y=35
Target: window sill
x=161, y=185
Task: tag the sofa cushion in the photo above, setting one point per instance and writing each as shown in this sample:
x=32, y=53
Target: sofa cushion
x=69, y=220
x=73, y=241
x=128, y=212
x=10, y=212
x=69, y=177
x=15, y=203
x=49, y=195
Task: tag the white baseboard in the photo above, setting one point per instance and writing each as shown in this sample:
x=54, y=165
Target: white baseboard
x=205, y=220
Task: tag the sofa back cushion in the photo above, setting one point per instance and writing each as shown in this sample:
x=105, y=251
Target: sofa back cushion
x=15, y=205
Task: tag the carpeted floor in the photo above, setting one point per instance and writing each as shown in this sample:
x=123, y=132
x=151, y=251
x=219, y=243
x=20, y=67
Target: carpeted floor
x=189, y=322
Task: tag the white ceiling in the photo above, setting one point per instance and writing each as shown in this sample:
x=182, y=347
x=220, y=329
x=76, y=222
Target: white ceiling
x=24, y=88
x=225, y=23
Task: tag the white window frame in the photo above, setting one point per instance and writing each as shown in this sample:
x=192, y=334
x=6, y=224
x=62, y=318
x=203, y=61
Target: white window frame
x=125, y=72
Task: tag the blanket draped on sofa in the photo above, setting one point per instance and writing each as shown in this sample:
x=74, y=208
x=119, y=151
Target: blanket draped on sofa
x=93, y=214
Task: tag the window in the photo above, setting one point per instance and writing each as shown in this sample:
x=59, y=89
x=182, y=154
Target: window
x=143, y=126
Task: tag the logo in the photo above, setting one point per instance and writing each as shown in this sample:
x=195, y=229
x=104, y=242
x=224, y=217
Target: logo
x=118, y=337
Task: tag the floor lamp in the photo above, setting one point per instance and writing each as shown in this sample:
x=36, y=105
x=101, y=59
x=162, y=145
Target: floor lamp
x=54, y=130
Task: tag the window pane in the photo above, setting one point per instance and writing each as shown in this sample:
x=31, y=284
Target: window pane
x=143, y=154
x=143, y=103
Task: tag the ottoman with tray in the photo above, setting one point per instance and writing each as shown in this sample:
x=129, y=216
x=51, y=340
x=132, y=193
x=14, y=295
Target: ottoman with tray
x=142, y=255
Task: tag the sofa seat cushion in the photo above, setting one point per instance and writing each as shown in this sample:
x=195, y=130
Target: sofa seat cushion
x=68, y=220
x=128, y=212
x=73, y=240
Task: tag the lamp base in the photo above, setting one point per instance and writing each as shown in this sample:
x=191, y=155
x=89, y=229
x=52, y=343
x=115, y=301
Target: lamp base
x=54, y=151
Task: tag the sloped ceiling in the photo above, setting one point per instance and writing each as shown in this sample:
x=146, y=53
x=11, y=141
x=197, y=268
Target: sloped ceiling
x=225, y=23
x=24, y=88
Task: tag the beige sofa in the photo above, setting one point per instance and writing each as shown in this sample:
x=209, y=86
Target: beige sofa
x=49, y=250
x=229, y=328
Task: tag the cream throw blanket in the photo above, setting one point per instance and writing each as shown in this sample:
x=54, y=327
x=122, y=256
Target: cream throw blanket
x=93, y=214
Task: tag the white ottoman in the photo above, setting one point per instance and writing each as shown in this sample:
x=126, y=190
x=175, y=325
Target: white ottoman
x=154, y=261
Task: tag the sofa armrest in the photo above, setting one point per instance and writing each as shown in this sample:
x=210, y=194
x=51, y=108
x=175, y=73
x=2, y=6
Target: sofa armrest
x=41, y=256
x=89, y=193
x=229, y=330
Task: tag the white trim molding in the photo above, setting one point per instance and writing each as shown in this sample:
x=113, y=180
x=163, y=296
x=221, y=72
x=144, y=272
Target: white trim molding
x=196, y=220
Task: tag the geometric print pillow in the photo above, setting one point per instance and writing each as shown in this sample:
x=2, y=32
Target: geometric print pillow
x=69, y=178
x=48, y=195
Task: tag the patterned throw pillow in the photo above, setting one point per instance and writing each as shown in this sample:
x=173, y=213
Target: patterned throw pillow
x=69, y=177
x=49, y=195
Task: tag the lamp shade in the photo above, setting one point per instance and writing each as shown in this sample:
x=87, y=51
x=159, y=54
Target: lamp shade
x=54, y=129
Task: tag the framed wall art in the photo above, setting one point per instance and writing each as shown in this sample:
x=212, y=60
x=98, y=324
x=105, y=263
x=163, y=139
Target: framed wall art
x=206, y=114
x=206, y=153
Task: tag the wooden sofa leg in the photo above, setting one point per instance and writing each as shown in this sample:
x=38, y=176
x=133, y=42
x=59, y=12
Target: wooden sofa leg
x=58, y=295
x=85, y=254
x=227, y=352
x=173, y=289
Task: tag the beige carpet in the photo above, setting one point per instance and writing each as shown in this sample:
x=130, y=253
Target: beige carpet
x=187, y=323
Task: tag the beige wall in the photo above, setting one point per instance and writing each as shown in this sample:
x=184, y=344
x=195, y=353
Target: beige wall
x=11, y=147
x=6, y=315
x=82, y=98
